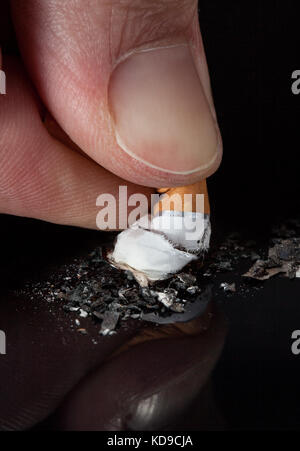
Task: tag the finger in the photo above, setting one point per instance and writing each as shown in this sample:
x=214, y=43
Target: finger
x=128, y=82
x=39, y=176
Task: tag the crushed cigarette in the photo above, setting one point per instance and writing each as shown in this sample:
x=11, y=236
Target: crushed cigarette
x=172, y=239
x=102, y=288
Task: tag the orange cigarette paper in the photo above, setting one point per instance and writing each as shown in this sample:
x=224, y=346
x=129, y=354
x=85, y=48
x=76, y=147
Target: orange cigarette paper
x=178, y=203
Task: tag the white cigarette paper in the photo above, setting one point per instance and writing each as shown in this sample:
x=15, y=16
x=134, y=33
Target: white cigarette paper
x=178, y=233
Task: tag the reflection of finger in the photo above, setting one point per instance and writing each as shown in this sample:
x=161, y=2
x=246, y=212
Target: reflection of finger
x=190, y=328
x=145, y=387
x=39, y=176
x=45, y=358
x=128, y=81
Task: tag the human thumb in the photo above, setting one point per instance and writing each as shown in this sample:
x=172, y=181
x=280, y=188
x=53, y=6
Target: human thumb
x=128, y=82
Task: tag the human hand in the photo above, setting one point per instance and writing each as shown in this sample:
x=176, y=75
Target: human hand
x=127, y=82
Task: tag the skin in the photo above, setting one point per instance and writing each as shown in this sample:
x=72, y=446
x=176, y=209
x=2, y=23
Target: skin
x=68, y=55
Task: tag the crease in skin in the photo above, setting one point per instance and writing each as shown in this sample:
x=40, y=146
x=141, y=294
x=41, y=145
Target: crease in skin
x=144, y=49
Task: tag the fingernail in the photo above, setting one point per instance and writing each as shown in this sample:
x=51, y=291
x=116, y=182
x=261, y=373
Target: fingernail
x=160, y=112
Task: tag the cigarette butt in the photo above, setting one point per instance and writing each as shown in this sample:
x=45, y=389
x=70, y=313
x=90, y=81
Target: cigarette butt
x=181, y=210
x=179, y=233
x=184, y=198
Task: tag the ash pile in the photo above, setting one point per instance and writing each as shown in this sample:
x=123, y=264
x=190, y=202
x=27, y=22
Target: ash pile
x=91, y=287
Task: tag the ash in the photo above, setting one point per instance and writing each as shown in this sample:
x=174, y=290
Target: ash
x=283, y=258
x=247, y=266
x=90, y=287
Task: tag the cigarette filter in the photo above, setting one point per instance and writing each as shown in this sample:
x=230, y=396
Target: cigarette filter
x=178, y=233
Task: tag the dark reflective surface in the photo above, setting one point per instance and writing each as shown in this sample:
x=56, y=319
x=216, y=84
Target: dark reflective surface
x=145, y=376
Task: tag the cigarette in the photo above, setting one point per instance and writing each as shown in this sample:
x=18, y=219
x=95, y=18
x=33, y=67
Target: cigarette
x=178, y=233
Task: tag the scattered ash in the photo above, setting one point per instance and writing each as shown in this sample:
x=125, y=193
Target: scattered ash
x=283, y=258
x=239, y=267
x=228, y=287
x=89, y=287
x=226, y=264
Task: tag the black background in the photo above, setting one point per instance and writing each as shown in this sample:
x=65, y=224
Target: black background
x=252, y=49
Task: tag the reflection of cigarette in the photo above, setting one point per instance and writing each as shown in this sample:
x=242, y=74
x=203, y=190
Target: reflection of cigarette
x=178, y=233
